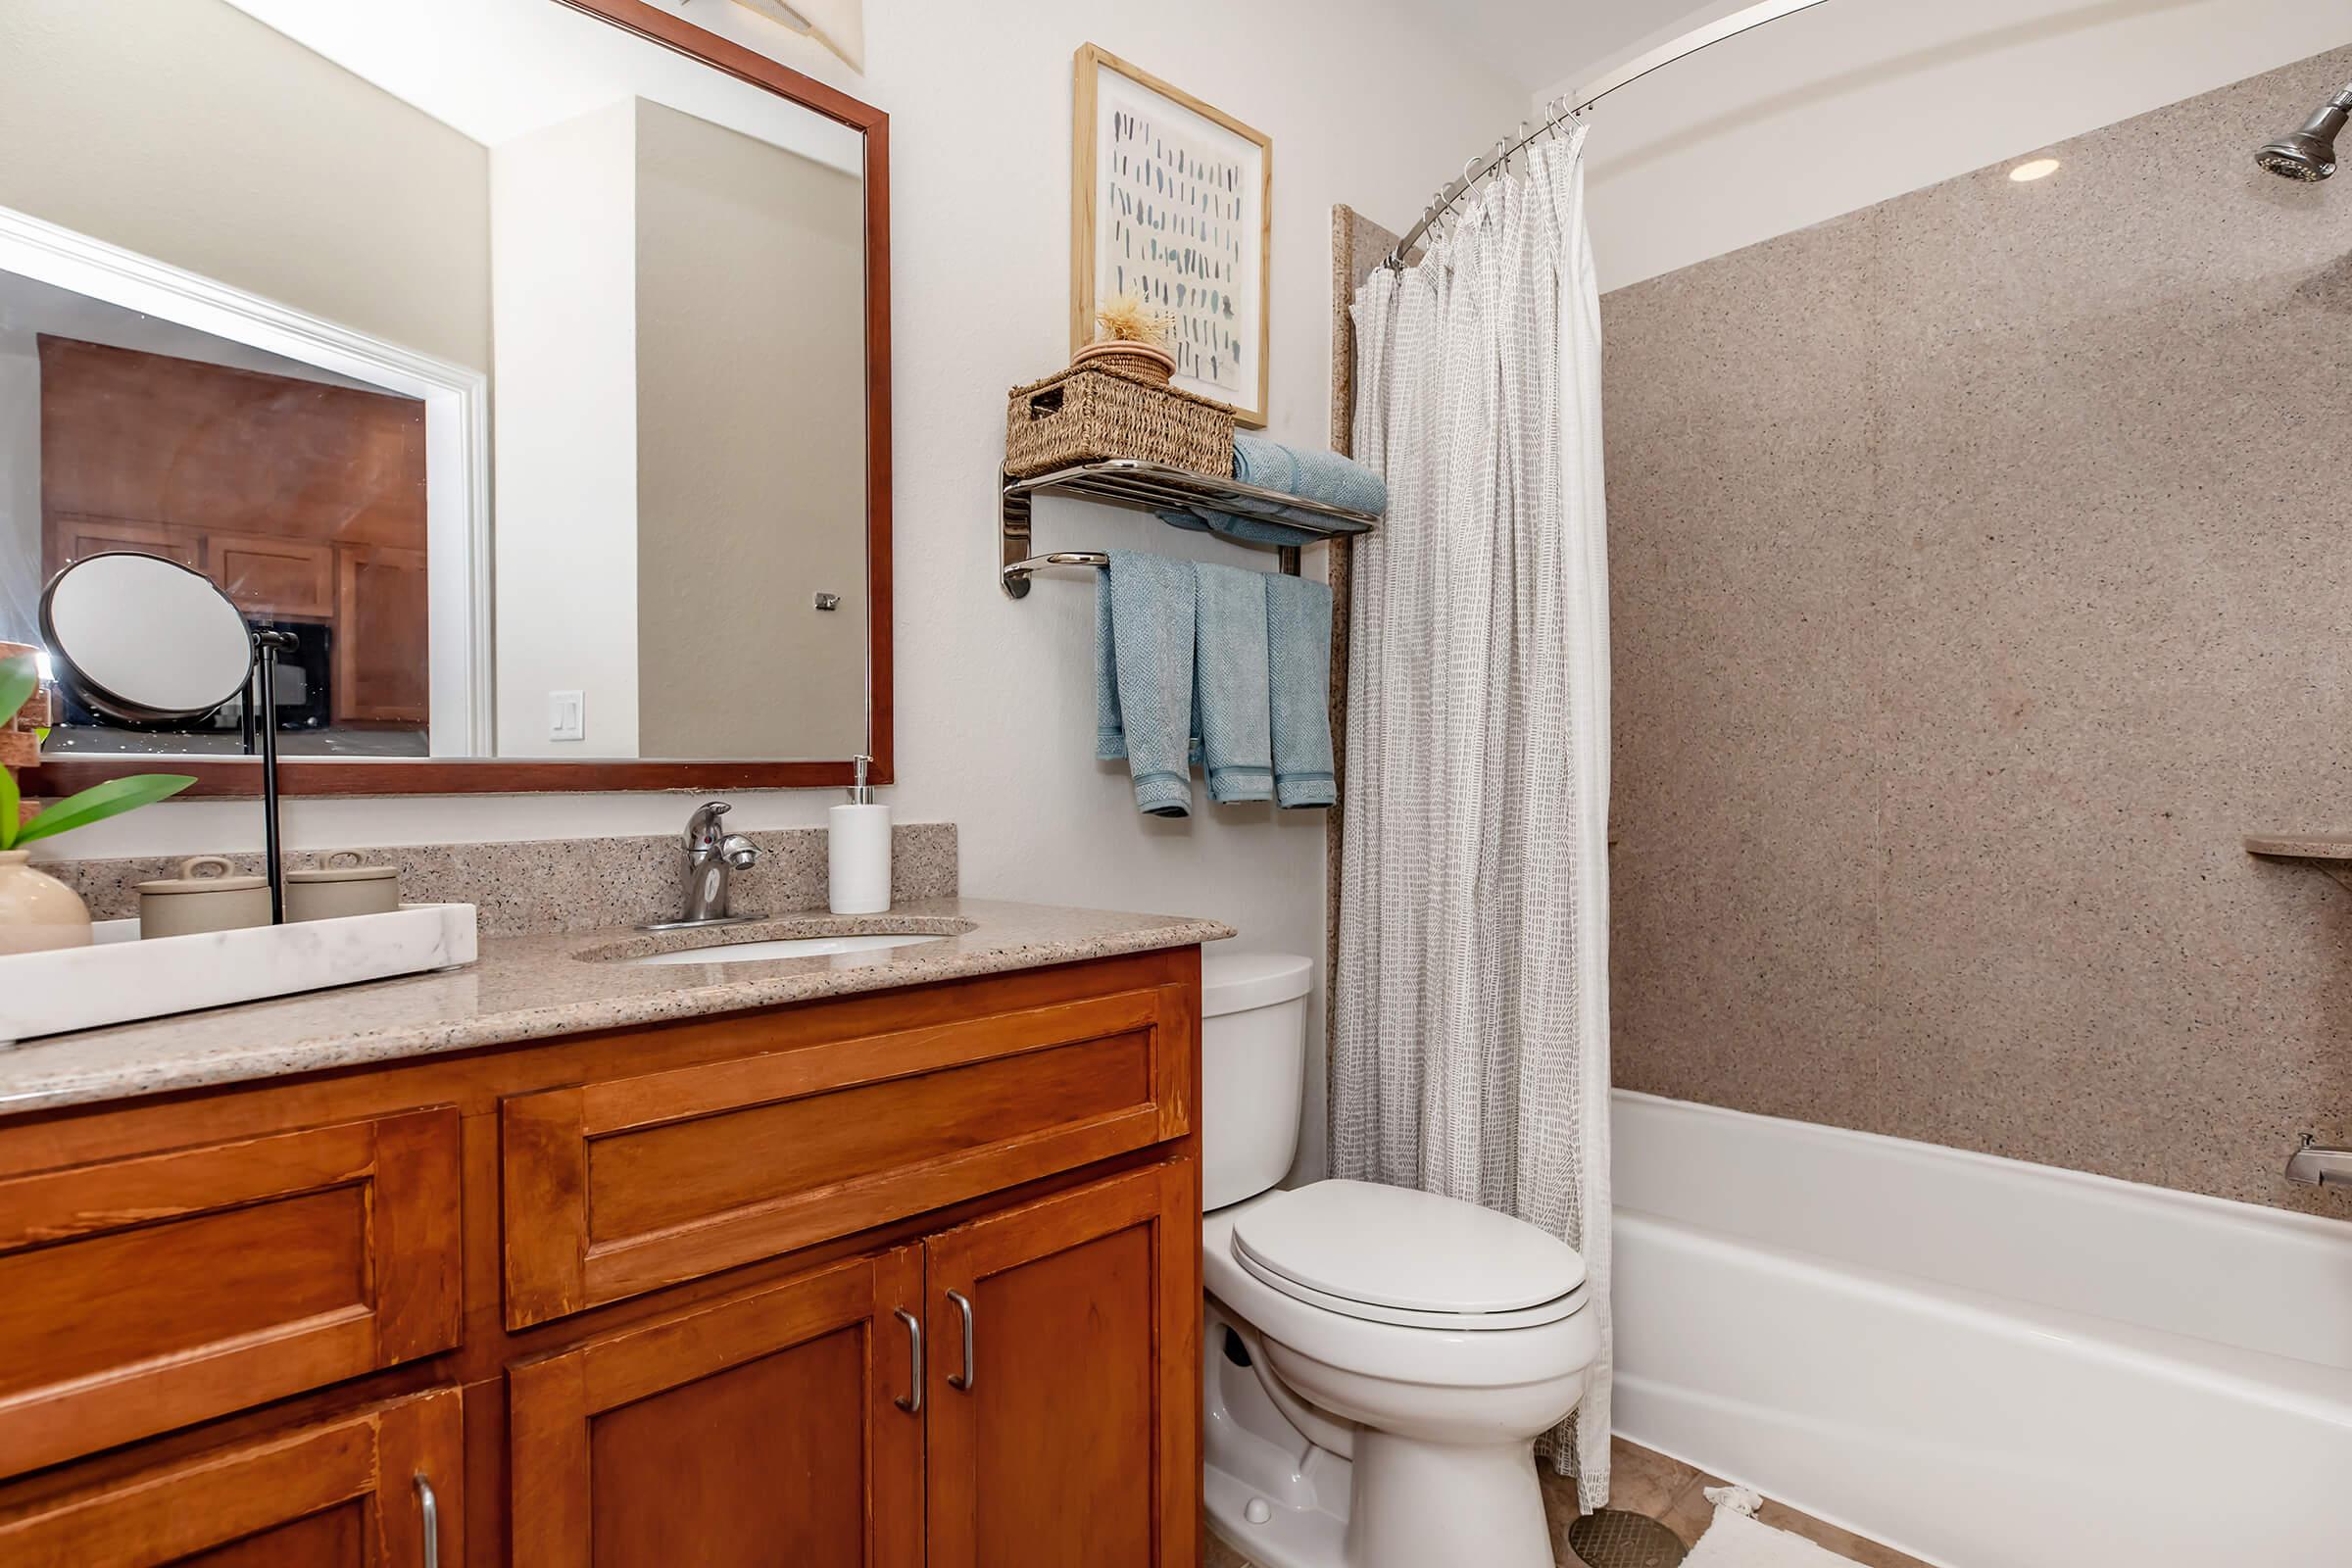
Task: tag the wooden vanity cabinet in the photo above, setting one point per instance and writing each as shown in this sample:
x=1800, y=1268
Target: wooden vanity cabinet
x=889, y=1280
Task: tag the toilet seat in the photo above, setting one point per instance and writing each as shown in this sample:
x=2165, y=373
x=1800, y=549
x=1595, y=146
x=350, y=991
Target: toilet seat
x=1391, y=1255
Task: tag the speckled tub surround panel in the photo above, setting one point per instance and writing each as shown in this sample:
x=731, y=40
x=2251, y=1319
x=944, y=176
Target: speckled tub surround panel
x=1979, y=580
x=574, y=884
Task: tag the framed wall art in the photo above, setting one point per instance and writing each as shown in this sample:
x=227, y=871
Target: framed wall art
x=1170, y=202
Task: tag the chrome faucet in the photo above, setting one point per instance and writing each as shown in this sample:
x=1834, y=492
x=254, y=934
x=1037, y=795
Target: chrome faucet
x=712, y=857
x=2316, y=1165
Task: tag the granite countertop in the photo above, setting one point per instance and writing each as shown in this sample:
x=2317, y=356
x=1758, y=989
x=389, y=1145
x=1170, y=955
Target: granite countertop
x=537, y=987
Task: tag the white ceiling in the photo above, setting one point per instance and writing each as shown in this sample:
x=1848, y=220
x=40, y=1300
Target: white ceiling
x=1536, y=44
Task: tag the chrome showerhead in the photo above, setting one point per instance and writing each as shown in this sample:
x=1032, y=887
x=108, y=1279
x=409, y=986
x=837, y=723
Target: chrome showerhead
x=2310, y=153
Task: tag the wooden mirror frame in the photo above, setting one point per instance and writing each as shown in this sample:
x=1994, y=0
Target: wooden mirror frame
x=62, y=776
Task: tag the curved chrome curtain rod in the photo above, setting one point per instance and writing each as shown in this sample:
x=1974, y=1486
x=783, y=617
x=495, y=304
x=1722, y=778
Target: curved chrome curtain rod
x=1666, y=54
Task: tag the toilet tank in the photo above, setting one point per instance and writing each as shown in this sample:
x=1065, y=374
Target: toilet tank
x=1253, y=1070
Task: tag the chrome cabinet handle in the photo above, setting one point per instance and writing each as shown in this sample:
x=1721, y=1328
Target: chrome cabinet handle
x=963, y=1381
x=912, y=1404
x=429, y=1512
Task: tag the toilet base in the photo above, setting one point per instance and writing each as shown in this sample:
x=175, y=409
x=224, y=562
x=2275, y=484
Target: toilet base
x=1399, y=1504
x=1285, y=1500
x=1417, y=1503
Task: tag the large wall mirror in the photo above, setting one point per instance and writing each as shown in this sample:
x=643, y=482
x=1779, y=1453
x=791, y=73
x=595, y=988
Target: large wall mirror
x=526, y=362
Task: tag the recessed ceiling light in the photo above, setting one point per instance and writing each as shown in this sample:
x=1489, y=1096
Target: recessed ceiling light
x=2033, y=169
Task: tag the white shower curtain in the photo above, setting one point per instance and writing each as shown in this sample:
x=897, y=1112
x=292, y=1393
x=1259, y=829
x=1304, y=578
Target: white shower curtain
x=1470, y=1038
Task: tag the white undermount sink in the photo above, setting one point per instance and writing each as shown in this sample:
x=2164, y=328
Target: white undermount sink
x=793, y=947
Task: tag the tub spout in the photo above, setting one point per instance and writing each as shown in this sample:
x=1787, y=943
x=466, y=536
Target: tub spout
x=2317, y=1166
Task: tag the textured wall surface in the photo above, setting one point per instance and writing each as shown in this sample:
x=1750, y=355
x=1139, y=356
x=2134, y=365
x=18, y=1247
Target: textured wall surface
x=1979, y=580
x=527, y=887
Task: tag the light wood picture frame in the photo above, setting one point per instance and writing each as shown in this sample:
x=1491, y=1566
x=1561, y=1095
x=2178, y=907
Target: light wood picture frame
x=1173, y=200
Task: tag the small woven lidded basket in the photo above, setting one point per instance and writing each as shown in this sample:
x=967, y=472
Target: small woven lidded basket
x=1093, y=412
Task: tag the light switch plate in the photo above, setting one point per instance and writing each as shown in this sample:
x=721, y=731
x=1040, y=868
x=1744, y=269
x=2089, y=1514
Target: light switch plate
x=566, y=716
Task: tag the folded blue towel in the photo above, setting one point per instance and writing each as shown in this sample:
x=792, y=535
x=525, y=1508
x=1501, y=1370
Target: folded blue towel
x=1144, y=613
x=1308, y=472
x=1230, y=683
x=1316, y=476
x=1299, y=666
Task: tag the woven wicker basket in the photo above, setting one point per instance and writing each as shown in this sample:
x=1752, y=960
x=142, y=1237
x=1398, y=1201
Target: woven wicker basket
x=1086, y=414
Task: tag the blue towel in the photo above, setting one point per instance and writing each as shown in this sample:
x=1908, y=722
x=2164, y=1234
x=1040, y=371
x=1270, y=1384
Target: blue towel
x=1299, y=665
x=1317, y=475
x=1144, y=615
x=1230, y=684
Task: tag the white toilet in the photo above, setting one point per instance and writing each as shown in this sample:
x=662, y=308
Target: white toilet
x=1379, y=1361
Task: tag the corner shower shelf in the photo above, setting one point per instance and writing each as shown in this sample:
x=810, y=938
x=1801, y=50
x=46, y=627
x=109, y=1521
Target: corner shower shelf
x=2329, y=854
x=1148, y=488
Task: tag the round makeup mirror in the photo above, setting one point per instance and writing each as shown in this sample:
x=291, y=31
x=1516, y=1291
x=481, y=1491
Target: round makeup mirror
x=141, y=638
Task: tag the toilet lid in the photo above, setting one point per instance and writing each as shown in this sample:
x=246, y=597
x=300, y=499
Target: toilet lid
x=1397, y=1256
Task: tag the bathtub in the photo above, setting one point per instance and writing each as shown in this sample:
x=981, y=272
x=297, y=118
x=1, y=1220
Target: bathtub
x=1985, y=1363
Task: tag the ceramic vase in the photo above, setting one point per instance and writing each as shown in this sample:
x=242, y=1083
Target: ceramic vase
x=37, y=911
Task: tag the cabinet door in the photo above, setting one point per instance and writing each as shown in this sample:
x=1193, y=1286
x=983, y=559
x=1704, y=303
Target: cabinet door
x=1065, y=1370
x=383, y=652
x=780, y=1425
x=272, y=577
x=72, y=539
x=354, y=1493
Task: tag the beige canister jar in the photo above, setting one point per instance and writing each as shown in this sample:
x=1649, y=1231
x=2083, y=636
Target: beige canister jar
x=342, y=887
x=37, y=911
x=208, y=894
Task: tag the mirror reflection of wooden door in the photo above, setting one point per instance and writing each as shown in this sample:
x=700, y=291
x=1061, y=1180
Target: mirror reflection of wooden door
x=303, y=499
x=284, y=579
x=382, y=655
x=72, y=539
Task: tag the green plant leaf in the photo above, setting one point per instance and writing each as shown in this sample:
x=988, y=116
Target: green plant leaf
x=20, y=679
x=102, y=800
x=11, y=805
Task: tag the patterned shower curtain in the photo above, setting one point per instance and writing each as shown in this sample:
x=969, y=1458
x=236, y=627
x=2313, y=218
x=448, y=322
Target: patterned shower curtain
x=1470, y=1038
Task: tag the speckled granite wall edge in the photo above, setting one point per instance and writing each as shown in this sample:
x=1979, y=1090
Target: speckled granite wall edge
x=554, y=885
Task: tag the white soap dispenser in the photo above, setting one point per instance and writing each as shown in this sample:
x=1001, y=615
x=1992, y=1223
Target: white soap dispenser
x=858, y=849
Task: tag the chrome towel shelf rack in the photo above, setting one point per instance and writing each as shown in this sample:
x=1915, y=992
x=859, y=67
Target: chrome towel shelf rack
x=1148, y=488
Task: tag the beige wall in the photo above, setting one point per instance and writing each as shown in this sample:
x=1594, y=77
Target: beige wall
x=751, y=416
x=1978, y=581
x=187, y=131
x=563, y=231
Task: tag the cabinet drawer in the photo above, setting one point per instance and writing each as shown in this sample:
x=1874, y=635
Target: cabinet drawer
x=141, y=1294
x=350, y=1492
x=616, y=1188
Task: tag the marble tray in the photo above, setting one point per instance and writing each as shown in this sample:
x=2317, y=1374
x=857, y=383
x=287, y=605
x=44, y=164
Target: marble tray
x=120, y=978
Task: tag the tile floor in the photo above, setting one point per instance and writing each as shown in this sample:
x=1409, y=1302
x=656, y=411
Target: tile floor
x=1673, y=1493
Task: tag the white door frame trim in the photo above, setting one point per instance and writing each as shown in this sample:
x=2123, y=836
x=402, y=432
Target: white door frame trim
x=456, y=426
